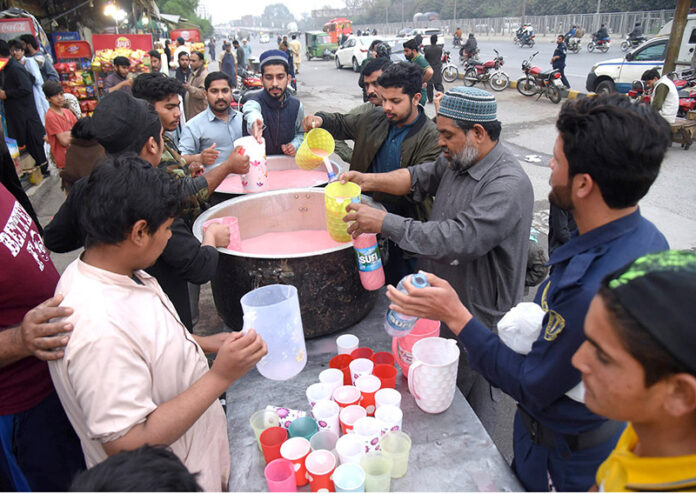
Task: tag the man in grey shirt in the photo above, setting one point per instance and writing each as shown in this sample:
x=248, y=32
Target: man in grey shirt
x=478, y=232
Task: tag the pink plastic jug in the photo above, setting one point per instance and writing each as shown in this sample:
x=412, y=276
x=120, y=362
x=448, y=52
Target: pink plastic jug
x=401, y=347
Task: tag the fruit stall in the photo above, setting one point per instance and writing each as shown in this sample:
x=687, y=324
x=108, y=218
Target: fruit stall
x=109, y=46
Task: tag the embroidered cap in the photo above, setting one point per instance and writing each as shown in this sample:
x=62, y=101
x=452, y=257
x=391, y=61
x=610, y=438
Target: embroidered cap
x=469, y=104
x=273, y=56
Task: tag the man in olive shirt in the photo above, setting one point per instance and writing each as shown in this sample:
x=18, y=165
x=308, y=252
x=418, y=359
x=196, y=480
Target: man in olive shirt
x=412, y=55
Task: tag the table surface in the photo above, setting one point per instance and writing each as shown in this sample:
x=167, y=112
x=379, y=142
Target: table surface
x=451, y=451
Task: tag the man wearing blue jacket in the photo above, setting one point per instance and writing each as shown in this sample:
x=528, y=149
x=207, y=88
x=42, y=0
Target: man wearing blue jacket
x=606, y=157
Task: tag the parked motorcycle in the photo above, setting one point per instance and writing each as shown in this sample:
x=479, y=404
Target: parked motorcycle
x=487, y=72
x=602, y=45
x=248, y=80
x=535, y=82
x=686, y=85
x=630, y=43
x=450, y=72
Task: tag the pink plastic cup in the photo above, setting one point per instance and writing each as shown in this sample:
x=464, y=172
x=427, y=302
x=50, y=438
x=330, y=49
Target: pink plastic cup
x=233, y=224
x=280, y=476
x=401, y=347
x=346, y=396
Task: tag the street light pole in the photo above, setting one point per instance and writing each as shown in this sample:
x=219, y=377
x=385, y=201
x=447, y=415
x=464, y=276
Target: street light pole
x=402, y=13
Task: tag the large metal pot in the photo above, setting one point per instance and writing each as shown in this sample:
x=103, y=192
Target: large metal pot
x=330, y=293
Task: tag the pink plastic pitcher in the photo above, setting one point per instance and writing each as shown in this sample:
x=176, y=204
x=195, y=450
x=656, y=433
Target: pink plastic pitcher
x=233, y=224
x=401, y=347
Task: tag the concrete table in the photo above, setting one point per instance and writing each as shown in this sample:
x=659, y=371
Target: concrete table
x=451, y=451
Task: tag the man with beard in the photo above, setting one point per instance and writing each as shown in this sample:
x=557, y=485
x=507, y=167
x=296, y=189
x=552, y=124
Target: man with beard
x=478, y=233
x=397, y=135
x=412, y=54
x=209, y=136
x=274, y=113
x=606, y=157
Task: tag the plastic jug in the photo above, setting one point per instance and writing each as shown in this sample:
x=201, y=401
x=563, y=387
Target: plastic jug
x=256, y=179
x=273, y=311
x=432, y=377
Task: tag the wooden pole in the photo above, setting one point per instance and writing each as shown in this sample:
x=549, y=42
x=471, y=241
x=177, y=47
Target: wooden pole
x=675, y=38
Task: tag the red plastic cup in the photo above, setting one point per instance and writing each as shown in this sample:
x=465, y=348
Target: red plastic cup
x=368, y=386
x=362, y=352
x=342, y=362
x=280, y=476
x=271, y=439
x=387, y=374
x=296, y=450
x=385, y=358
x=349, y=416
x=346, y=396
x=320, y=466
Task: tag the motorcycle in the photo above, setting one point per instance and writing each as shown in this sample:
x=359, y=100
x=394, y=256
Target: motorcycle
x=465, y=57
x=535, y=82
x=524, y=42
x=450, y=72
x=457, y=41
x=602, y=45
x=487, y=72
x=248, y=80
x=629, y=42
x=574, y=45
x=639, y=92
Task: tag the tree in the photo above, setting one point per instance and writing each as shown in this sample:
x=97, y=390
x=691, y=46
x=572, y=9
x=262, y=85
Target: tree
x=277, y=15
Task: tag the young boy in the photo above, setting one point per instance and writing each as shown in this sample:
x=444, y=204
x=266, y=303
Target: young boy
x=132, y=374
x=59, y=122
x=639, y=365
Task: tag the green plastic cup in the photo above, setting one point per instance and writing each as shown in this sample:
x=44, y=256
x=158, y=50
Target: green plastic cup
x=262, y=420
x=377, y=468
x=396, y=446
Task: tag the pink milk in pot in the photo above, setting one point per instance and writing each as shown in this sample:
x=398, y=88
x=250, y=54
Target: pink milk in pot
x=401, y=347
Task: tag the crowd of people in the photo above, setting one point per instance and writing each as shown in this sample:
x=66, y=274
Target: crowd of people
x=101, y=363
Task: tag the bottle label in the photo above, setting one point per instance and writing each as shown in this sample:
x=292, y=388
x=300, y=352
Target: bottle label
x=399, y=322
x=368, y=258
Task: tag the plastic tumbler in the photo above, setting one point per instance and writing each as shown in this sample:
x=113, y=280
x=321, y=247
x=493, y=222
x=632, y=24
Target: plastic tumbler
x=320, y=466
x=387, y=375
x=368, y=386
x=342, y=363
x=396, y=445
x=337, y=197
x=350, y=449
x=360, y=367
x=369, y=432
x=380, y=358
x=326, y=414
x=262, y=420
x=324, y=440
x=346, y=396
x=377, y=468
x=362, y=352
x=303, y=427
x=349, y=478
x=349, y=415
x=346, y=343
x=296, y=450
x=332, y=378
x=387, y=396
x=271, y=439
x=280, y=476
x=318, y=391
x=235, y=242
x=390, y=418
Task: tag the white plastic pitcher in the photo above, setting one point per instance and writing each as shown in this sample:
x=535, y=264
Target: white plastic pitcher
x=432, y=377
x=256, y=179
x=273, y=311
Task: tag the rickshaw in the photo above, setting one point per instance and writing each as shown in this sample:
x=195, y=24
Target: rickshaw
x=319, y=45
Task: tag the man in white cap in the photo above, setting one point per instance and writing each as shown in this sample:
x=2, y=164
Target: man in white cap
x=478, y=231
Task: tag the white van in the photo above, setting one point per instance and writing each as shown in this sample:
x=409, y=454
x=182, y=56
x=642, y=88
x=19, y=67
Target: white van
x=618, y=74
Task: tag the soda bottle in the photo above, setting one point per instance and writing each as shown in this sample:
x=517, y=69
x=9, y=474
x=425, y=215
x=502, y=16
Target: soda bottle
x=369, y=261
x=397, y=324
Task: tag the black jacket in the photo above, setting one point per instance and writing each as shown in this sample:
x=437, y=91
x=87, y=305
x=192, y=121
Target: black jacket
x=182, y=261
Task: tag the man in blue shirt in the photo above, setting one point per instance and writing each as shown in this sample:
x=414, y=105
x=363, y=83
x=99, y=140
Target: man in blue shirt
x=558, y=60
x=214, y=130
x=606, y=157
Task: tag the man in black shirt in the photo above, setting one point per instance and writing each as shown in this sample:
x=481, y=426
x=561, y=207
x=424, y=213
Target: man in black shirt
x=559, y=57
x=433, y=54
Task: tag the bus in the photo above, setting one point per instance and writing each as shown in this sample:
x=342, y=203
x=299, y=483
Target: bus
x=337, y=27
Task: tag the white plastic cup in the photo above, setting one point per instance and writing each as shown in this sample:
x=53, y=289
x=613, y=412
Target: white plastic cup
x=369, y=432
x=349, y=415
x=387, y=396
x=318, y=391
x=350, y=449
x=346, y=343
x=331, y=377
x=325, y=412
x=360, y=367
x=349, y=477
x=390, y=418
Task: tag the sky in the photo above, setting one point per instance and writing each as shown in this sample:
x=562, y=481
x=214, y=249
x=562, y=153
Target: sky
x=220, y=9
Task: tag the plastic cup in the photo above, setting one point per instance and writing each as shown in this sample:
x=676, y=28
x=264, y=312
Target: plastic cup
x=332, y=378
x=396, y=445
x=346, y=396
x=256, y=179
x=271, y=439
x=337, y=197
x=350, y=449
x=383, y=358
x=318, y=391
x=280, y=476
x=360, y=367
x=387, y=396
x=262, y=420
x=296, y=450
x=362, y=352
x=326, y=414
x=386, y=374
x=349, y=478
x=320, y=465
x=369, y=432
x=303, y=427
x=390, y=418
x=325, y=439
x=235, y=242
x=377, y=468
x=349, y=415
x=342, y=363
x=368, y=386
x=346, y=343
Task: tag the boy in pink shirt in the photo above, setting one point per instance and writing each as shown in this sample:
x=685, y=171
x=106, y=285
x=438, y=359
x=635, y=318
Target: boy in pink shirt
x=59, y=121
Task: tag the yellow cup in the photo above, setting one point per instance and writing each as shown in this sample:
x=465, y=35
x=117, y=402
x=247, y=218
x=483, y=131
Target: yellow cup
x=337, y=196
x=317, y=145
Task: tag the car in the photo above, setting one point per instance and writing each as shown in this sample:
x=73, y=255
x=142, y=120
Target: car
x=265, y=39
x=426, y=33
x=354, y=51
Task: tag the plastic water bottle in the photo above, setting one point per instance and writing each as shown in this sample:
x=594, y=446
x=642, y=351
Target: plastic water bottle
x=369, y=261
x=396, y=323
